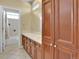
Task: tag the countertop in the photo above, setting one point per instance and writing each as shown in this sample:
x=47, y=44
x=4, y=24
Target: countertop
x=34, y=36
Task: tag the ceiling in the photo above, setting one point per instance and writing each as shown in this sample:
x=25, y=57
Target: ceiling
x=18, y=4
x=31, y=0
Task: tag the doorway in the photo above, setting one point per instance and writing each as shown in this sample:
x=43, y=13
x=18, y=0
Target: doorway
x=11, y=25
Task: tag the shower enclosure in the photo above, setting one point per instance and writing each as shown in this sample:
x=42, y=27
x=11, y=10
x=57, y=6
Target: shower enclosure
x=9, y=27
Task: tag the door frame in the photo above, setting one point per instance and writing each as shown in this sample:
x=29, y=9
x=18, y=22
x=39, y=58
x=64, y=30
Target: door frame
x=19, y=12
x=1, y=30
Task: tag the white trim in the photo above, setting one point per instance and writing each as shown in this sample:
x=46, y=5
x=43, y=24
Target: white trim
x=1, y=29
x=19, y=12
x=20, y=30
x=2, y=8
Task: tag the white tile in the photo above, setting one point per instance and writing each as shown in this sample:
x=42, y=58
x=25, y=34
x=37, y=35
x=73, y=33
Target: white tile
x=14, y=53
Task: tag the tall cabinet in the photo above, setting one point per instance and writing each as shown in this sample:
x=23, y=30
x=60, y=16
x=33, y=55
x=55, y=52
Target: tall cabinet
x=48, y=29
x=65, y=29
x=60, y=29
x=78, y=30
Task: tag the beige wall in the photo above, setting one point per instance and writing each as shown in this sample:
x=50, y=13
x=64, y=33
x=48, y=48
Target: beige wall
x=18, y=4
x=25, y=8
x=35, y=24
x=26, y=22
x=30, y=23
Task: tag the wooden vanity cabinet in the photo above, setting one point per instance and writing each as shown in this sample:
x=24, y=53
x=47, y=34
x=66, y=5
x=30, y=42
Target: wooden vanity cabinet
x=23, y=41
x=33, y=48
x=33, y=53
x=29, y=47
x=26, y=43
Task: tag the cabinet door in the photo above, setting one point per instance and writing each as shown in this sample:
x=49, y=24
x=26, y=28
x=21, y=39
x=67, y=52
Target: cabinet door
x=48, y=50
x=28, y=47
x=38, y=51
x=33, y=52
x=48, y=29
x=65, y=29
x=48, y=21
x=26, y=43
x=23, y=41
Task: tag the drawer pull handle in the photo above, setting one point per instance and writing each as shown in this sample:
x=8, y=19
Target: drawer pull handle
x=51, y=44
x=55, y=46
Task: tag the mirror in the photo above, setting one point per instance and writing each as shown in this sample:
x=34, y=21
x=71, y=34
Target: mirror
x=37, y=21
x=33, y=19
x=32, y=22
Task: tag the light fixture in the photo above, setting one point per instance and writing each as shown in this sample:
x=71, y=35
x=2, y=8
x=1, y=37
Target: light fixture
x=36, y=7
x=12, y=15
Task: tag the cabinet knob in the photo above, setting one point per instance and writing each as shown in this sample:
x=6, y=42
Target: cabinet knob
x=37, y=46
x=55, y=46
x=51, y=44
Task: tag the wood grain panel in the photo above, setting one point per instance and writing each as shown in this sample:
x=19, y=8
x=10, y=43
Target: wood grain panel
x=65, y=29
x=64, y=23
x=64, y=53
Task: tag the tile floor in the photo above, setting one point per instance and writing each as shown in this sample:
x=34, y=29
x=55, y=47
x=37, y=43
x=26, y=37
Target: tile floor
x=13, y=52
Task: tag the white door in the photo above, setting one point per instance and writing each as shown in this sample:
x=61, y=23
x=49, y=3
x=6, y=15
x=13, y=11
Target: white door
x=9, y=24
x=12, y=28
